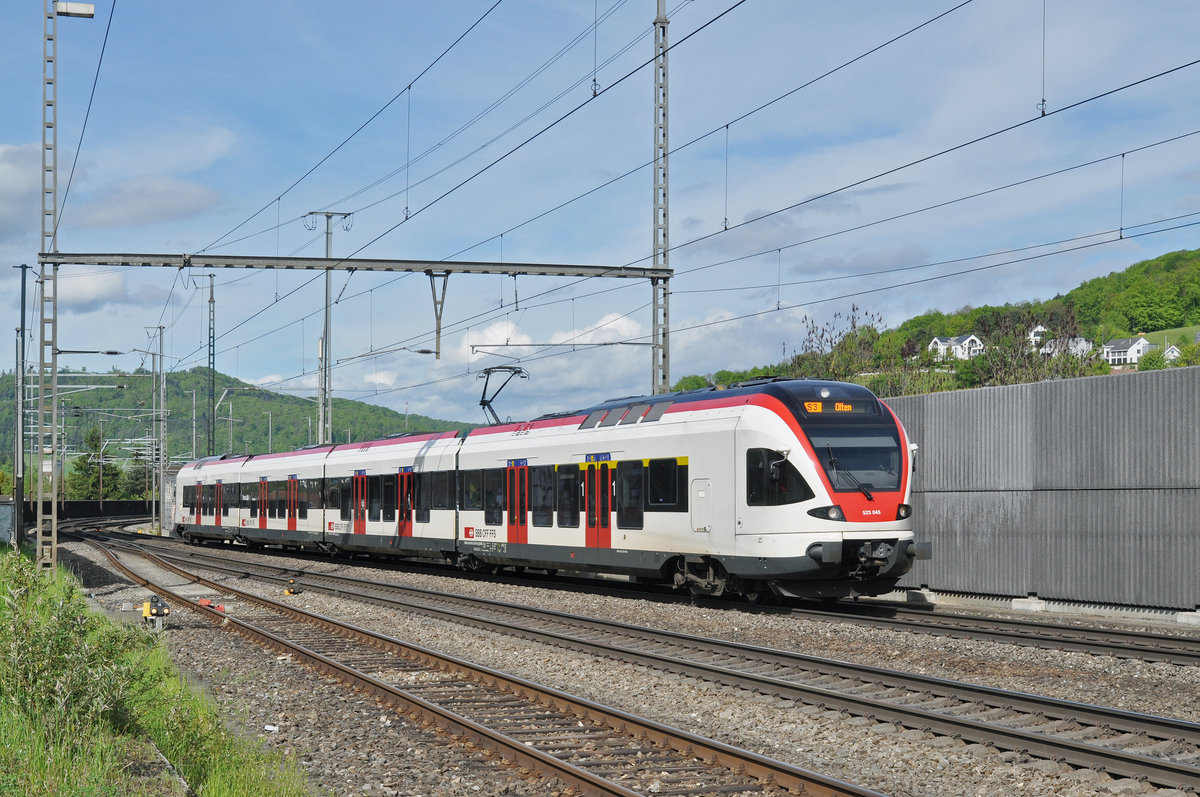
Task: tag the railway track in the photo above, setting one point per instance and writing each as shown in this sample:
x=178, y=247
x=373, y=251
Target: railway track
x=1142, y=646
x=590, y=747
x=1125, y=744
x=1182, y=649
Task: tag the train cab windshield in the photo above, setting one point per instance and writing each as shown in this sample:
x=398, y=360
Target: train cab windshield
x=854, y=437
x=863, y=458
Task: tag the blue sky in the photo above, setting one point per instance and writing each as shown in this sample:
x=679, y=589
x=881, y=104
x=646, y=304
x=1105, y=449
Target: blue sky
x=206, y=113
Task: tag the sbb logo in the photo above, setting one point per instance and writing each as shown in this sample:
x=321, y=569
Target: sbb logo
x=469, y=532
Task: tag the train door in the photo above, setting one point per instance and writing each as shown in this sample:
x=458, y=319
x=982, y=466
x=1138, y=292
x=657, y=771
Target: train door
x=262, y=502
x=518, y=501
x=404, y=503
x=597, y=499
x=359, y=506
x=293, y=489
x=217, y=490
x=199, y=499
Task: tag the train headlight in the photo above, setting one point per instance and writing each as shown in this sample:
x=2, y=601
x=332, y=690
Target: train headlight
x=903, y=511
x=828, y=513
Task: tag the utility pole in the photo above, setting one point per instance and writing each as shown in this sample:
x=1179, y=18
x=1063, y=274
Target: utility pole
x=162, y=436
x=660, y=362
x=325, y=349
x=19, y=460
x=47, y=413
x=193, y=458
x=212, y=368
x=270, y=441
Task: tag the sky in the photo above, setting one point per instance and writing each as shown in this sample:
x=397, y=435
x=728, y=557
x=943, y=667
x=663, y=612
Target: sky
x=891, y=157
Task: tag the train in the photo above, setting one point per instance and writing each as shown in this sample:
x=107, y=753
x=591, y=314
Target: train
x=769, y=488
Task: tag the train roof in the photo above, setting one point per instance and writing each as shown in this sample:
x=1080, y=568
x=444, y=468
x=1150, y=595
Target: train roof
x=792, y=392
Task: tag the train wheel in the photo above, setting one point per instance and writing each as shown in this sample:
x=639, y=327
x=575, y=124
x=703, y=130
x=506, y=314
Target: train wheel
x=757, y=593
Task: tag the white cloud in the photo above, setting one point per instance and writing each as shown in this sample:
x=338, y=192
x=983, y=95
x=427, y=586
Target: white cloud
x=19, y=190
x=146, y=200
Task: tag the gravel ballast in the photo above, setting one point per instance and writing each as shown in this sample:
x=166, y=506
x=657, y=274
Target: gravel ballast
x=351, y=745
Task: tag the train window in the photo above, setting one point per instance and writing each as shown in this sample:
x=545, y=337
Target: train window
x=374, y=498
x=663, y=487
x=593, y=419
x=772, y=481
x=605, y=495
x=629, y=494
x=493, y=496
x=389, y=498
x=635, y=413
x=333, y=494
x=858, y=457
x=424, y=497
x=305, y=494
x=346, y=494
x=229, y=497
x=541, y=483
x=471, y=489
x=568, y=496
x=656, y=411
x=443, y=490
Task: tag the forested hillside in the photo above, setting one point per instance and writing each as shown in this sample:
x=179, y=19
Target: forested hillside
x=123, y=403
x=1155, y=296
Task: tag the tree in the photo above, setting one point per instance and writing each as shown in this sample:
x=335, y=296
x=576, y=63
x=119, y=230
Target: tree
x=83, y=482
x=1153, y=360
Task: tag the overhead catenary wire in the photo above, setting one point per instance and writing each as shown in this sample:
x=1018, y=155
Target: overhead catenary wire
x=361, y=127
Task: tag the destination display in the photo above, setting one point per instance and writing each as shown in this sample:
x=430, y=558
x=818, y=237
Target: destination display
x=838, y=407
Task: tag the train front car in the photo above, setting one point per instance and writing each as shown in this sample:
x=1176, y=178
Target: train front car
x=825, y=510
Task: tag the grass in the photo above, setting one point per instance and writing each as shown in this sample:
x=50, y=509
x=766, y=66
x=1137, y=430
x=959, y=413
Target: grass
x=82, y=698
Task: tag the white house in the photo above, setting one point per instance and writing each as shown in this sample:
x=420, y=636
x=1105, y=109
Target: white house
x=1172, y=353
x=961, y=347
x=1052, y=347
x=1126, y=351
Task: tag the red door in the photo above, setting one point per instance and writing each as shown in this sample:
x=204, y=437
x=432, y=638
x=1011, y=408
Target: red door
x=598, y=491
x=359, y=506
x=292, y=494
x=262, y=503
x=404, y=504
x=518, y=503
x=217, y=490
x=199, y=501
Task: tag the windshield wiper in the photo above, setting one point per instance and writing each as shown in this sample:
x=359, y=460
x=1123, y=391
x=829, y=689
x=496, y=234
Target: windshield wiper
x=838, y=467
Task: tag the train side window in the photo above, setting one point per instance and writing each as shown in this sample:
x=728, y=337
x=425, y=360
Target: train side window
x=374, y=497
x=629, y=494
x=333, y=494
x=471, y=489
x=493, y=496
x=773, y=481
x=423, y=498
x=347, y=498
x=389, y=498
x=541, y=500
x=306, y=495
x=656, y=411
x=443, y=490
x=568, y=496
x=229, y=496
x=663, y=488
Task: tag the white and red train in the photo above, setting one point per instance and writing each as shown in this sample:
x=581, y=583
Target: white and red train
x=800, y=487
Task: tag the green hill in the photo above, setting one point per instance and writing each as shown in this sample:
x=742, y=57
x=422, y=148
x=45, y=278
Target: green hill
x=1159, y=298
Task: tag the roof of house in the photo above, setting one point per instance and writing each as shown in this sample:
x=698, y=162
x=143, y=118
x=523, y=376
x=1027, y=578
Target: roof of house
x=1123, y=344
